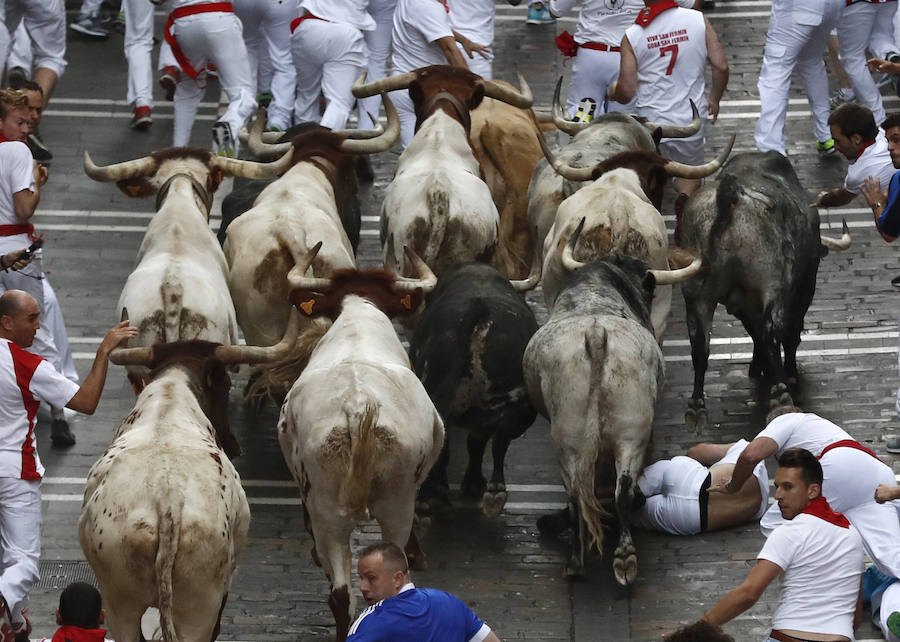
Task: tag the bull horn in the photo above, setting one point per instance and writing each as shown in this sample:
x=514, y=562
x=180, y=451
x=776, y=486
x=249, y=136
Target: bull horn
x=362, y=89
x=361, y=134
x=426, y=279
x=674, y=168
x=251, y=169
x=119, y=171
x=132, y=356
x=562, y=123
x=380, y=143
x=534, y=276
x=563, y=168
x=838, y=245
x=568, y=254
x=678, y=131
x=263, y=354
x=670, y=277
x=297, y=278
x=256, y=142
x=523, y=99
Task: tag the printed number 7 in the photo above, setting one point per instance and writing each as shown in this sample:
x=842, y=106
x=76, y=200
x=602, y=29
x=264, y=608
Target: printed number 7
x=672, y=49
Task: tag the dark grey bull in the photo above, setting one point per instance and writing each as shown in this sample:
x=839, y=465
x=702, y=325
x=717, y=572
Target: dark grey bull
x=760, y=244
x=467, y=350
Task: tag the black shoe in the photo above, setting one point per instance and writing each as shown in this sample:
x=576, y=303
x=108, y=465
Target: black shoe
x=38, y=150
x=60, y=434
x=16, y=77
x=708, y=4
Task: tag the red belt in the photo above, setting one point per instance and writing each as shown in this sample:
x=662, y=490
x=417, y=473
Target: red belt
x=847, y=443
x=190, y=10
x=306, y=16
x=18, y=228
x=599, y=46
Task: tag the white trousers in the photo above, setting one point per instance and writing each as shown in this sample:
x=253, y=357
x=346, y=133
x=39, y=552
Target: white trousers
x=90, y=8
x=267, y=29
x=216, y=38
x=592, y=73
x=20, y=52
x=328, y=58
x=789, y=46
x=866, y=25
x=378, y=42
x=46, y=24
x=20, y=540
x=484, y=67
x=850, y=479
x=406, y=113
x=138, y=49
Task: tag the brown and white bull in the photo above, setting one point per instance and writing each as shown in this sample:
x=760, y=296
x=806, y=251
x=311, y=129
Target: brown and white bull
x=619, y=218
x=358, y=430
x=438, y=204
x=593, y=143
x=178, y=289
x=266, y=242
x=595, y=371
x=164, y=514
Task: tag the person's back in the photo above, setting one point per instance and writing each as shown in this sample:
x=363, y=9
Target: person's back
x=79, y=615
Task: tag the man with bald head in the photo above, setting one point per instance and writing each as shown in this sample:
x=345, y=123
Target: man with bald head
x=400, y=612
x=25, y=380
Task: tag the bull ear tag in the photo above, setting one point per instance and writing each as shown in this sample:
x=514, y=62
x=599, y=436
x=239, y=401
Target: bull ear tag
x=307, y=306
x=406, y=302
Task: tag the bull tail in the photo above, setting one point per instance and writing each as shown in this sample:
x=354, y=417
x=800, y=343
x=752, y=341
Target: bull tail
x=172, y=294
x=168, y=534
x=353, y=496
x=592, y=512
x=437, y=202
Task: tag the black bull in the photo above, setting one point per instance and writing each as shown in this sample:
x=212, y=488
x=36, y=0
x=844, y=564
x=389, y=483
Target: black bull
x=761, y=247
x=467, y=350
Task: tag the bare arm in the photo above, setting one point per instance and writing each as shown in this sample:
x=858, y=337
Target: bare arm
x=877, y=200
x=88, y=396
x=834, y=197
x=491, y=638
x=755, y=452
x=880, y=64
x=708, y=454
x=742, y=597
x=25, y=201
x=471, y=47
x=451, y=52
x=885, y=493
x=625, y=86
x=716, y=54
x=14, y=260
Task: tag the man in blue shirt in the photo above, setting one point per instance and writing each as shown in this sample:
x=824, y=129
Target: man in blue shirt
x=886, y=206
x=399, y=612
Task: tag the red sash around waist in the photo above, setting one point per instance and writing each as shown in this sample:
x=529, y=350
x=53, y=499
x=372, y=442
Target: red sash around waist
x=847, y=443
x=190, y=10
x=599, y=46
x=17, y=228
x=306, y=16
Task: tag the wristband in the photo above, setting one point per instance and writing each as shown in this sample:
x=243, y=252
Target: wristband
x=875, y=206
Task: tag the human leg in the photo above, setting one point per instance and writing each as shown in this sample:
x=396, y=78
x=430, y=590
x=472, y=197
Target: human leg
x=783, y=43
x=20, y=53
x=20, y=538
x=277, y=37
x=227, y=52
x=46, y=23
x=346, y=62
x=307, y=44
x=854, y=31
x=378, y=42
x=138, y=50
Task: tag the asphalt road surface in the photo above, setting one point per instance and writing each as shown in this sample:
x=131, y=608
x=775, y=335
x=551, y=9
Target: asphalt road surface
x=501, y=567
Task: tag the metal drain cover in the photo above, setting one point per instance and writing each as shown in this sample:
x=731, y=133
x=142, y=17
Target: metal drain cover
x=57, y=574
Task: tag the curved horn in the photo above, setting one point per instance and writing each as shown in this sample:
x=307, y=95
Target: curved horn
x=256, y=143
x=568, y=254
x=563, y=168
x=263, y=354
x=362, y=89
x=674, y=168
x=426, y=279
x=362, y=134
x=669, y=277
x=534, y=276
x=380, y=143
x=251, y=169
x=119, y=171
x=132, y=356
x=562, y=123
x=678, y=131
x=841, y=244
x=297, y=276
x=523, y=99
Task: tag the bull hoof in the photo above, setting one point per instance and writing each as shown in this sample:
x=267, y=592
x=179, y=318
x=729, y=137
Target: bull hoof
x=421, y=521
x=696, y=418
x=625, y=565
x=574, y=569
x=493, y=500
x=779, y=396
x=473, y=488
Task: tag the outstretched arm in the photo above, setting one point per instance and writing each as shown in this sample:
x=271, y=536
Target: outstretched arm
x=88, y=396
x=742, y=597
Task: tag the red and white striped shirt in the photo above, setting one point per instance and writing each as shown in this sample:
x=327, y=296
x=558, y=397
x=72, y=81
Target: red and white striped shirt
x=25, y=380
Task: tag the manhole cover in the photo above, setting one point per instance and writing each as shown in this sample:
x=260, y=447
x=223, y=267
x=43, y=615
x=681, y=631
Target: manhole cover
x=57, y=574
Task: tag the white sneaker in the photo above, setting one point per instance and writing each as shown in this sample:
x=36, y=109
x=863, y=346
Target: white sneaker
x=223, y=141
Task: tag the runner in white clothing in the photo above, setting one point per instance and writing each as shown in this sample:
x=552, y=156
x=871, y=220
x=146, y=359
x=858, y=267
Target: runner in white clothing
x=474, y=21
x=664, y=56
x=378, y=42
x=816, y=552
x=852, y=473
x=25, y=380
x=860, y=141
x=46, y=24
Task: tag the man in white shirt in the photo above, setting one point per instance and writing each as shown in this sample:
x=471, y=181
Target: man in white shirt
x=860, y=141
x=25, y=380
x=819, y=554
x=663, y=59
x=474, y=21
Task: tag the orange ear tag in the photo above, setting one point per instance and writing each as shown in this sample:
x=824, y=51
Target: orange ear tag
x=307, y=306
x=406, y=302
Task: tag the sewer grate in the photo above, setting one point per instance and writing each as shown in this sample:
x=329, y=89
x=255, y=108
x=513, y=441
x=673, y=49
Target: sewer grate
x=57, y=574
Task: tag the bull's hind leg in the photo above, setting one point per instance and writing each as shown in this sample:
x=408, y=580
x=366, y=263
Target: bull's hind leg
x=332, y=537
x=436, y=488
x=474, y=483
x=394, y=514
x=513, y=425
x=699, y=315
x=123, y=616
x=628, y=467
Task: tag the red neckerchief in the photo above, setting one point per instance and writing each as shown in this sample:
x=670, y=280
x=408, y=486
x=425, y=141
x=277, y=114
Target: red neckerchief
x=3, y=139
x=77, y=634
x=819, y=508
x=863, y=148
x=446, y=6
x=847, y=443
x=647, y=14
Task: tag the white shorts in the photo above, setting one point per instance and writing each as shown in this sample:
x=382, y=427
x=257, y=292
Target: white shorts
x=672, y=487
